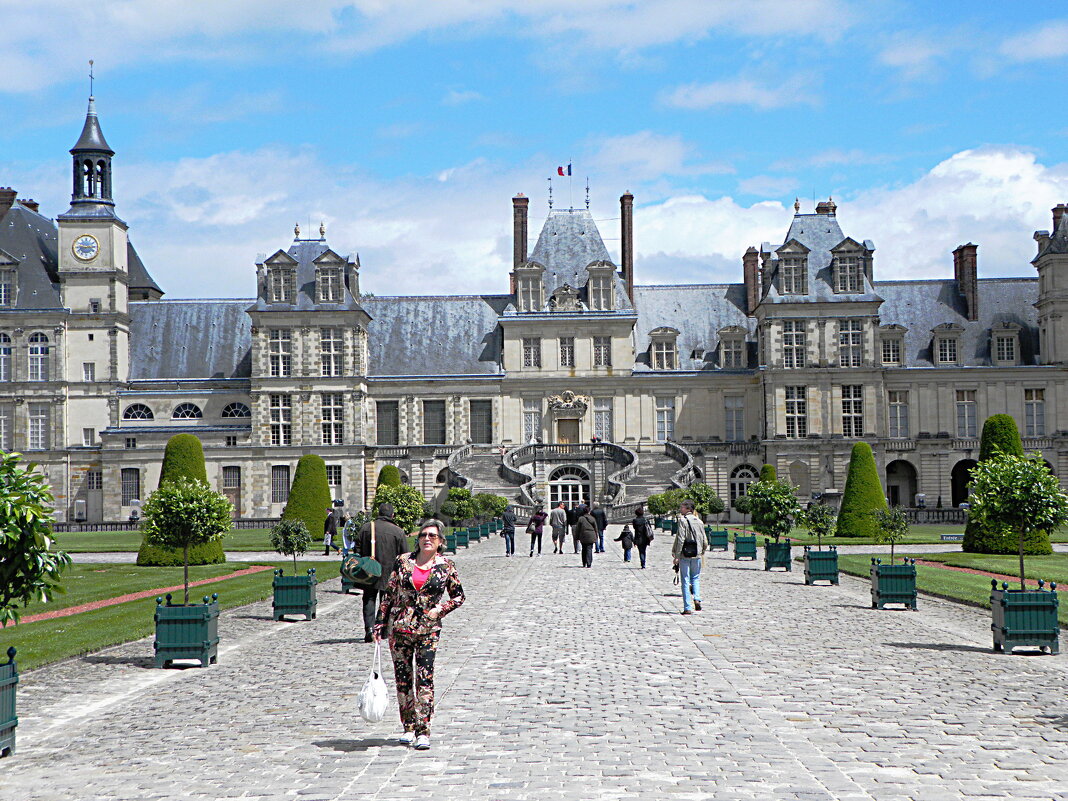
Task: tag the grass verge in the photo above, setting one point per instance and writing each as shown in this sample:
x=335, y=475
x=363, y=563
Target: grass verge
x=48, y=641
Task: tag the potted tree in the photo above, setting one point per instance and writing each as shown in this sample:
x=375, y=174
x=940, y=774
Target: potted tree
x=744, y=544
x=29, y=568
x=892, y=584
x=293, y=595
x=183, y=514
x=820, y=565
x=1020, y=494
x=774, y=505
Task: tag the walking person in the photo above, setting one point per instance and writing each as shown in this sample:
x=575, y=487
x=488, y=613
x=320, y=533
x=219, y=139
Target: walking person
x=410, y=615
x=558, y=521
x=643, y=533
x=690, y=545
x=602, y=524
x=535, y=528
x=626, y=539
x=389, y=543
x=573, y=515
x=508, y=532
x=587, y=535
x=329, y=532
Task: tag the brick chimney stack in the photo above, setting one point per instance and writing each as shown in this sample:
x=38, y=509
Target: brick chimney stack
x=827, y=207
x=30, y=204
x=7, y=199
x=520, y=204
x=751, y=277
x=626, y=240
x=965, y=271
x=1058, y=212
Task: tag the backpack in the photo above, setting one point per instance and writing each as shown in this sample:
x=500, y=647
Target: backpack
x=689, y=545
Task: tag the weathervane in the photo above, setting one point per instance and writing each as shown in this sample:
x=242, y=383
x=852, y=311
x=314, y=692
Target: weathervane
x=587, y=193
x=90, y=77
x=550, y=192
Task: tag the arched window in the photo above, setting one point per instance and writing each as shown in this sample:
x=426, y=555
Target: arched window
x=741, y=477
x=5, y=357
x=137, y=411
x=235, y=409
x=186, y=411
x=102, y=187
x=88, y=179
x=38, y=357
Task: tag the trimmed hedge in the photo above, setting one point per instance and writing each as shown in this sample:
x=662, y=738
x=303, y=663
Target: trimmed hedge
x=309, y=497
x=767, y=473
x=1000, y=434
x=863, y=495
x=389, y=476
x=183, y=458
x=210, y=553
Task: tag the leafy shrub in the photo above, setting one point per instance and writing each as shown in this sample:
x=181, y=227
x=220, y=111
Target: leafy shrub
x=209, y=553
x=774, y=505
x=290, y=538
x=657, y=504
x=460, y=504
x=407, y=504
x=389, y=476
x=820, y=519
x=489, y=506
x=891, y=526
x=309, y=497
x=862, y=496
x=183, y=458
x=767, y=473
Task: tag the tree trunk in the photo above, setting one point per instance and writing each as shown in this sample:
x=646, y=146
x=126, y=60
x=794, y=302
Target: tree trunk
x=185, y=552
x=294, y=563
x=1022, y=585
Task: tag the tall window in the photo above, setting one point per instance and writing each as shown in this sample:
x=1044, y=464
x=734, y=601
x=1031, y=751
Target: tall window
x=741, y=477
x=88, y=437
x=966, y=413
x=1035, y=412
x=734, y=415
x=602, y=418
x=282, y=285
x=530, y=294
x=1005, y=348
x=531, y=352
x=732, y=352
x=665, y=419
x=7, y=420
x=433, y=422
x=847, y=273
x=280, y=350
x=664, y=354
x=39, y=426
x=796, y=412
x=88, y=371
x=279, y=483
x=947, y=350
x=892, y=351
x=793, y=343
x=94, y=480
x=5, y=357
x=602, y=351
x=853, y=410
x=329, y=284
x=231, y=477
x=567, y=351
x=330, y=351
x=794, y=275
x=850, y=343
x=333, y=418
x=281, y=407
x=481, y=421
x=600, y=292
x=38, y=357
x=531, y=419
x=7, y=287
x=333, y=479
x=387, y=417
x=898, y=405
x=131, y=485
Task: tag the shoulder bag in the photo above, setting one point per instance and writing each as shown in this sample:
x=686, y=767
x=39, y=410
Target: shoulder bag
x=363, y=570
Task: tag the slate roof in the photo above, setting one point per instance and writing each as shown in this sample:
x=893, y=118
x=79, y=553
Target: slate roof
x=138, y=275
x=305, y=252
x=1058, y=242
x=442, y=335
x=31, y=239
x=190, y=339
x=92, y=138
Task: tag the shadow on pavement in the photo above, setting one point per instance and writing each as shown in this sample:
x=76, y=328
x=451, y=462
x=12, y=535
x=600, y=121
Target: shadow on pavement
x=349, y=746
x=940, y=646
x=253, y=617
x=351, y=641
x=132, y=661
x=1056, y=721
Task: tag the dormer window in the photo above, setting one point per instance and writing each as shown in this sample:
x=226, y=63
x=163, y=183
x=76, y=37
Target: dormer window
x=732, y=347
x=946, y=344
x=662, y=350
x=328, y=284
x=7, y=287
x=892, y=345
x=529, y=287
x=847, y=273
x=600, y=288
x=1005, y=344
x=281, y=284
x=794, y=275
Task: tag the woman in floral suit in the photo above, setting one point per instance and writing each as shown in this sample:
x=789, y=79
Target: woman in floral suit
x=411, y=611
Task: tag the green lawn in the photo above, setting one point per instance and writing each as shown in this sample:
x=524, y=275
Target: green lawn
x=927, y=534
x=245, y=539
x=48, y=641
x=959, y=586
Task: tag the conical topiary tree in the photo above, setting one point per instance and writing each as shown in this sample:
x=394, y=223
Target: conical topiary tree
x=767, y=473
x=309, y=497
x=389, y=476
x=1001, y=437
x=183, y=458
x=862, y=496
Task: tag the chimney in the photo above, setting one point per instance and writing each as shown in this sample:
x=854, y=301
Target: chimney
x=826, y=207
x=1058, y=213
x=7, y=199
x=32, y=205
x=751, y=277
x=626, y=240
x=965, y=271
x=520, y=203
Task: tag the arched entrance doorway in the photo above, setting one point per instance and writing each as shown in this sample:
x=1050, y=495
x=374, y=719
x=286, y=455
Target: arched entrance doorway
x=741, y=477
x=569, y=484
x=961, y=475
x=900, y=483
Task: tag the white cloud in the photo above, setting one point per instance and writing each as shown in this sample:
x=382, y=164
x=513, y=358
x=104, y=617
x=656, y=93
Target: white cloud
x=456, y=97
x=738, y=92
x=647, y=156
x=1049, y=40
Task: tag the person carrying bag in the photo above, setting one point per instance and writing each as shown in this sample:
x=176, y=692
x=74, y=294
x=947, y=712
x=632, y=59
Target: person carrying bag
x=373, y=700
x=687, y=550
x=382, y=541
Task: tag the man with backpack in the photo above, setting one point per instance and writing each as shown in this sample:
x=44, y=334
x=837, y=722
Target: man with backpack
x=689, y=546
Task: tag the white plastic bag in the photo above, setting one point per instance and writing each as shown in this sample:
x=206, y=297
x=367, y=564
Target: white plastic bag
x=373, y=699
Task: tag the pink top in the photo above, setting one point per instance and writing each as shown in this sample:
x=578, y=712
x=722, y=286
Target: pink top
x=419, y=574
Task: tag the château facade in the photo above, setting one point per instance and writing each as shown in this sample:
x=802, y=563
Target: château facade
x=576, y=383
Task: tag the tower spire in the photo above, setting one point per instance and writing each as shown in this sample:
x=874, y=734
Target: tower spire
x=91, y=193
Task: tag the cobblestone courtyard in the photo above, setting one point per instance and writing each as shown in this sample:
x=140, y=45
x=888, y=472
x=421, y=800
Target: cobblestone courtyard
x=561, y=683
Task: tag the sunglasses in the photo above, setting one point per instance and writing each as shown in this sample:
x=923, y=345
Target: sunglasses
x=429, y=535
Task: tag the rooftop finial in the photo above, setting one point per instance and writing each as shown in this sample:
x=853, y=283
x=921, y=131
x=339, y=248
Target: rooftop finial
x=90, y=79
x=322, y=230
x=587, y=193
x=797, y=206
x=550, y=193
x=296, y=231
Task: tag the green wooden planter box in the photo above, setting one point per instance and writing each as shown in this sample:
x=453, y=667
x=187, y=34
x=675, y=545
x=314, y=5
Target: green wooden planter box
x=1025, y=617
x=893, y=584
x=9, y=682
x=187, y=632
x=473, y=534
x=671, y=526
x=498, y=524
x=463, y=537
x=483, y=530
x=745, y=547
x=657, y=522
x=294, y=595
x=717, y=539
x=777, y=554
x=821, y=565
x=450, y=543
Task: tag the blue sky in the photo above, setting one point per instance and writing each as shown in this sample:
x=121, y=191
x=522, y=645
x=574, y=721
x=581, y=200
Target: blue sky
x=407, y=126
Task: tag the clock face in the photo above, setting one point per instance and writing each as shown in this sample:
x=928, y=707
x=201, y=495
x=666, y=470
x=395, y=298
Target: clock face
x=86, y=247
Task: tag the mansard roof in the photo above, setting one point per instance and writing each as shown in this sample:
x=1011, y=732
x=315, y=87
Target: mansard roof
x=308, y=255
x=190, y=339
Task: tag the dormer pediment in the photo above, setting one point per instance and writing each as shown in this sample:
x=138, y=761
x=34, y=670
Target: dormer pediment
x=849, y=245
x=664, y=332
x=791, y=247
x=732, y=331
x=7, y=260
x=600, y=266
x=329, y=257
x=280, y=259
x=531, y=266
x=893, y=328
x=949, y=329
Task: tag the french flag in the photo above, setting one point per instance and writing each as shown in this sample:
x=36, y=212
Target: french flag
x=564, y=170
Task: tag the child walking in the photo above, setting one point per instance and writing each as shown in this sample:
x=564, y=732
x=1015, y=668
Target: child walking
x=627, y=539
